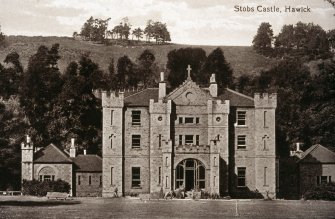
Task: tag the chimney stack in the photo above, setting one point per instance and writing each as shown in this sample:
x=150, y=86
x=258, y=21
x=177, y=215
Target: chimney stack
x=162, y=87
x=213, y=87
x=72, y=148
x=28, y=139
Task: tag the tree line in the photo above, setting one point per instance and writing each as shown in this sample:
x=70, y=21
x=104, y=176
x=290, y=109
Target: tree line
x=95, y=29
x=300, y=40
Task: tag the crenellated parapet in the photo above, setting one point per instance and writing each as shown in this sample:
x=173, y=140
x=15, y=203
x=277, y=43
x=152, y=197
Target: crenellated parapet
x=218, y=106
x=160, y=107
x=265, y=100
x=112, y=99
x=192, y=149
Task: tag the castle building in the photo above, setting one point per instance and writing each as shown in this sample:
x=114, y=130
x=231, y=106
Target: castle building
x=200, y=138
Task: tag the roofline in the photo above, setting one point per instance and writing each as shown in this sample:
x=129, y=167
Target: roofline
x=53, y=162
x=85, y=171
x=238, y=93
x=305, y=154
x=140, y=91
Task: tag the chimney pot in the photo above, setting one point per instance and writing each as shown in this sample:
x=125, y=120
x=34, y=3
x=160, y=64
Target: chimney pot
x=72, y=142
x=28, y=139
x=162, y=76
x=298, y=146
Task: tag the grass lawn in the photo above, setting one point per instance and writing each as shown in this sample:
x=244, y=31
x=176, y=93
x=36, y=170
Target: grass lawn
x=32, y=207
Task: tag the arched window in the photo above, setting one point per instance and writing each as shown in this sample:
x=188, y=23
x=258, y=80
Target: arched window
x=191, y=174
x=47, y=174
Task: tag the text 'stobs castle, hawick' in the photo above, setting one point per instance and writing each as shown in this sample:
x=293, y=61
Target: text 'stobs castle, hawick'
x=200, y=138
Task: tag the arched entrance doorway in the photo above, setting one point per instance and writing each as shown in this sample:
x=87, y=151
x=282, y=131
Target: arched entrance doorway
x=190, y=173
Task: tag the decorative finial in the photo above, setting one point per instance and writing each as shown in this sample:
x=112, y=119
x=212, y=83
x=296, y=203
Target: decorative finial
x=189, y=72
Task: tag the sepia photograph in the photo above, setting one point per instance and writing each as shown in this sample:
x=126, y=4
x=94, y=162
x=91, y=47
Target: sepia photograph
x=167, y=109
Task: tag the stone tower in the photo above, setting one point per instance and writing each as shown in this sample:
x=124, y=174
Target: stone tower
x=265, y=141
x=27, y=149
x=112, y=142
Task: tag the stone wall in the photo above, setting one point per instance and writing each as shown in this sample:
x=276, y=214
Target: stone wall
x=61, y=171
x=85, y=189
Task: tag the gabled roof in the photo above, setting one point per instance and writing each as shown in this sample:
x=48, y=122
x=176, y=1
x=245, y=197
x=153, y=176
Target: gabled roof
x=318, y=154
x=88, y=163
x=236, y=99
x=51, y=154
x=141, y=98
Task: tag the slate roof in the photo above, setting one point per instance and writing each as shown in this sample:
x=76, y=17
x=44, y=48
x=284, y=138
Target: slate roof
x=318, y=154
x=141, y=98
x=51, y=154
x=236, y=99
x=88, y=163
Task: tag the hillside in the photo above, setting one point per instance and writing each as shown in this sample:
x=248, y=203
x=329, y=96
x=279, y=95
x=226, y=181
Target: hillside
x=242, y=58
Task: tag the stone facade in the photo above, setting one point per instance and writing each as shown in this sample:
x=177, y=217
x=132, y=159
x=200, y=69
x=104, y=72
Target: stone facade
x=88, y=184
x=201, y=138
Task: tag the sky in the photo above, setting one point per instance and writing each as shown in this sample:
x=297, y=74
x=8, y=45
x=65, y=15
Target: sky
x=196, y=22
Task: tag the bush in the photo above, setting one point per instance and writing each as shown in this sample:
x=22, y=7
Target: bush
x=322, y=192
x=38, y=188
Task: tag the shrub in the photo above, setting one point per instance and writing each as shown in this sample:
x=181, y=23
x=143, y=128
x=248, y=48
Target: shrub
x=322, y=192
x=38, y=188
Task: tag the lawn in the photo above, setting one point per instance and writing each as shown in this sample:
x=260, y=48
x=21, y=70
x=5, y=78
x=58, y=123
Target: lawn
x=32, y=207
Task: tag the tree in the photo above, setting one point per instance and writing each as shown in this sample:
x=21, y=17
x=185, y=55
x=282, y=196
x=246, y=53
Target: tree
x=286, y=37
x=262, y=41
x=138, y=33
x=125, y=73
x=95, y=29
x=149, y=31
x=146, y=68
x=77, y=112
x=178, y=60
x=40, y=87
x=2, y=39
x=331, y=39
x=216, y=64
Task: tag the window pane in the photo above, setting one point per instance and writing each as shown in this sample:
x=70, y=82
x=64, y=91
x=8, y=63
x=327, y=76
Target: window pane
x=241, y=176
x=241, y=117
x=136, y=176
x=189, y=120
x=197, y=120
x=241, y=141
x=136, y=117
x=201, y=172
x=197, y=139
x=188, y=139
x=180, y=139
x=180, y=120
x=136, y=141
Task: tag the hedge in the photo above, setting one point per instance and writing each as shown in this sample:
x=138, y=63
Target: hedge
x=40, y=188
x=322, y=192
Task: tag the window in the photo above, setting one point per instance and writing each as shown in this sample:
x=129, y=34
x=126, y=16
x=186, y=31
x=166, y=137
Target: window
x=323, y=180
x=135, y=177
x=189, y=120
x=159, y=140
x=180, y=140
x=136, y=141
x=241, y=142
x=197, y=139
x=89, y=180
x=159, y=175
x=47, y=178
x=166, y=161
x=241, y=176
x=111, y=141
x=241, y=115
x=112, y=114
x=100, y=181
x=79, y=182
x=215, y=164
x=112, y=169
x=136, y=117
x=166, y=182
x=265, y=125
x=180, y=120
x=188, y=139
x=265, y=169
x=197, y=120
